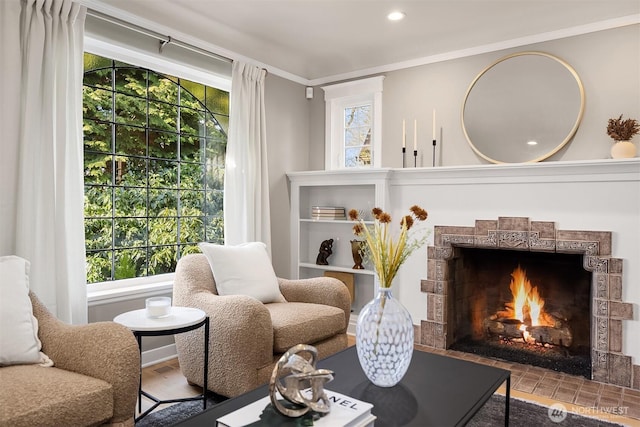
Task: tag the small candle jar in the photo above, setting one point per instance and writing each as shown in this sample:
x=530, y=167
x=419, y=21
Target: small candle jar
x=158, y=307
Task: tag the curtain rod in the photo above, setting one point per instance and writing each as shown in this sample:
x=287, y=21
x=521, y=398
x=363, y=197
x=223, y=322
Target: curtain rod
x=162, y=39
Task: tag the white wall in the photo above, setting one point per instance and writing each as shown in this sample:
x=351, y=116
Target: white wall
x=287, y=112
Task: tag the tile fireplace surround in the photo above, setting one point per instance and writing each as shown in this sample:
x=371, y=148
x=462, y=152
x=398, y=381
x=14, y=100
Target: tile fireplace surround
x=609, y=364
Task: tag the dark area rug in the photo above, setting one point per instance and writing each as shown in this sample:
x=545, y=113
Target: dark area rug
x=173, y=414
x=522, y=414
x=526, y=414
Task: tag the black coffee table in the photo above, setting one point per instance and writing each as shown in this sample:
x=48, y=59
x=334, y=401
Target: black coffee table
x=436, y=391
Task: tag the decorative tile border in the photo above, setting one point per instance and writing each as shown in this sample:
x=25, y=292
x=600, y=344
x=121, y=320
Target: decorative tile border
x=608, y=363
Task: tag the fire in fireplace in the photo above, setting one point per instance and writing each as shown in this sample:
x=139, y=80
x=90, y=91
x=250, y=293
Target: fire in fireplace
x=524, y=318
x=525, y=307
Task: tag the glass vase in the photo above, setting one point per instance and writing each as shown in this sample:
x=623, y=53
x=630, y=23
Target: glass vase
x=384, y=339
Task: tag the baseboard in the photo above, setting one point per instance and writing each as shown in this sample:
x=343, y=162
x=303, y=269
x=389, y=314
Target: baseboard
x=159, y=354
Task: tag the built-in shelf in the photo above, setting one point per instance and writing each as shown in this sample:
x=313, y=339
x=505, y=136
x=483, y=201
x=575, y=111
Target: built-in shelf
x=362, y=190
x=335, y=268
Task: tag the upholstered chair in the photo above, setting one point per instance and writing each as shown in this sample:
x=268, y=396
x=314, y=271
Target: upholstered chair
x=94, y=379
x=247, y=336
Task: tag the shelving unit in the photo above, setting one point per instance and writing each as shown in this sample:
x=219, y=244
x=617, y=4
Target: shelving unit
x=353, y=189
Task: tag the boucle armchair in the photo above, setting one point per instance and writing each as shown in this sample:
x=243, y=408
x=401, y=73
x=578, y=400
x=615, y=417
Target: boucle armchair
x=247, y=337
x=94, y=380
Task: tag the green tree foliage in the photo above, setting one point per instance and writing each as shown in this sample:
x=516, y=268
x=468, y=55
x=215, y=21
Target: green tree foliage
x=154, y=148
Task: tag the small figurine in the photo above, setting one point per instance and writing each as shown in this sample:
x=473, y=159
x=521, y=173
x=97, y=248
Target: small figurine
x=356, y=252
x=325, y=252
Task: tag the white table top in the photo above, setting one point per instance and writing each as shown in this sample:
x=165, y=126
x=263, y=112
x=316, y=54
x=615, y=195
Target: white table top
x=179, y=317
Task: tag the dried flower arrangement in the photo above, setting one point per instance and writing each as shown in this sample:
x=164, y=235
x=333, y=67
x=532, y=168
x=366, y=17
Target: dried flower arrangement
x=622, y=130
x=386, y=254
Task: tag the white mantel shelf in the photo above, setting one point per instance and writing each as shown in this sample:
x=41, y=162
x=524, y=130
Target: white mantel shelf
x=574, y=171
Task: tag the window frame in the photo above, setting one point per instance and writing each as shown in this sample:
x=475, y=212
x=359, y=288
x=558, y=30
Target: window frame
x=108, y=289
x=351, y=94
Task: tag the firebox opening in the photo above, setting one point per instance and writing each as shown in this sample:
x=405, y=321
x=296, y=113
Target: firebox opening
x=526, y=307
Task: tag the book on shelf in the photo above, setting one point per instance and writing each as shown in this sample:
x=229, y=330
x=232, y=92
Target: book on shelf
x=327, y=212
x=330, y=217
x=345, y=412
x=327, y=208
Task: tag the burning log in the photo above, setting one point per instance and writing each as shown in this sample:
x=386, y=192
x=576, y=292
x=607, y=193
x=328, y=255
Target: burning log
x=551, y=335
x=506, y=328
x=558, y=334
x=505, y=314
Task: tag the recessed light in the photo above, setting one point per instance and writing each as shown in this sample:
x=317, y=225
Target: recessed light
x=532, y=142
x=396, y=16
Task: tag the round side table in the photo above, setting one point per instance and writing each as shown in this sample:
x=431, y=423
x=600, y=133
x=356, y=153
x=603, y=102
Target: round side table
x=180, y=319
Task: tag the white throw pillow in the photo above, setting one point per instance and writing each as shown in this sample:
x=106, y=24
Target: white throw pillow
x=243, y=270
x=19, y=343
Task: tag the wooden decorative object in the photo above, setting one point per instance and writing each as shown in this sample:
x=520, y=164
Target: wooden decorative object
x=347, y=278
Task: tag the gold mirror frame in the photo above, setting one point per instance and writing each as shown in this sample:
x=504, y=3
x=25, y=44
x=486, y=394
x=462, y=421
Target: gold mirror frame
x=498, y=143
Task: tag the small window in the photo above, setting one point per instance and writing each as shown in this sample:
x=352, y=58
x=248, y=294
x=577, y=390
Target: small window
x=354, y=116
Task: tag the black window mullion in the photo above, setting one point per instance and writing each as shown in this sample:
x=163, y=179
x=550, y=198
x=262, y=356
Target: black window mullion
x=179, y=142
x=148, y=186
x=113, y=169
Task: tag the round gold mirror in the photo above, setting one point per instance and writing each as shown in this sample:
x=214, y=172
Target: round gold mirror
x=522, y=108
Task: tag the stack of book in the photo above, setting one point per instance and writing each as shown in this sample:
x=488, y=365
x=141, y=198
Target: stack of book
x=327, y=212
x=345, y=412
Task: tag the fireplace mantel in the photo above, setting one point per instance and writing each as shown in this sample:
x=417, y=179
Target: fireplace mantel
x=568, y=171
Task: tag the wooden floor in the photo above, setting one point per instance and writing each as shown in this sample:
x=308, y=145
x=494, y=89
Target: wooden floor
x=165, y=381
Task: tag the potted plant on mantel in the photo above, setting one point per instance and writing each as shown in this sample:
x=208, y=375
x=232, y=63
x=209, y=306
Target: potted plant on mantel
x=622, y=131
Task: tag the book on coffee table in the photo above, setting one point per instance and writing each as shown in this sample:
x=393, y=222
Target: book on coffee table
x=345, y=412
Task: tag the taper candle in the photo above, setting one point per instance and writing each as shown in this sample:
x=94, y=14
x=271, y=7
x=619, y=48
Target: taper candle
x=415, y=134
x=404, y=133
x=434, y=124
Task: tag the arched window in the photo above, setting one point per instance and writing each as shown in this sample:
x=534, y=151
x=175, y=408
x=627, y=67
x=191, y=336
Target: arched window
x=154, y=148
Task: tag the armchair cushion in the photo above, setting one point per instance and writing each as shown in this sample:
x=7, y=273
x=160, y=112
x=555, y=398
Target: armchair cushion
x=33, y=395
x=19, y=343
x=298, y=322
x=244, y=269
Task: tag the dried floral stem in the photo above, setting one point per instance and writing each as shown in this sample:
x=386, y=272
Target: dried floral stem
x=387, y=254
x=383, y=302
x=622, y=130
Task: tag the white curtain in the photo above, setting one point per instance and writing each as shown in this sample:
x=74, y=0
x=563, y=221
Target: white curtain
x=47, y=165
x=246, y=185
